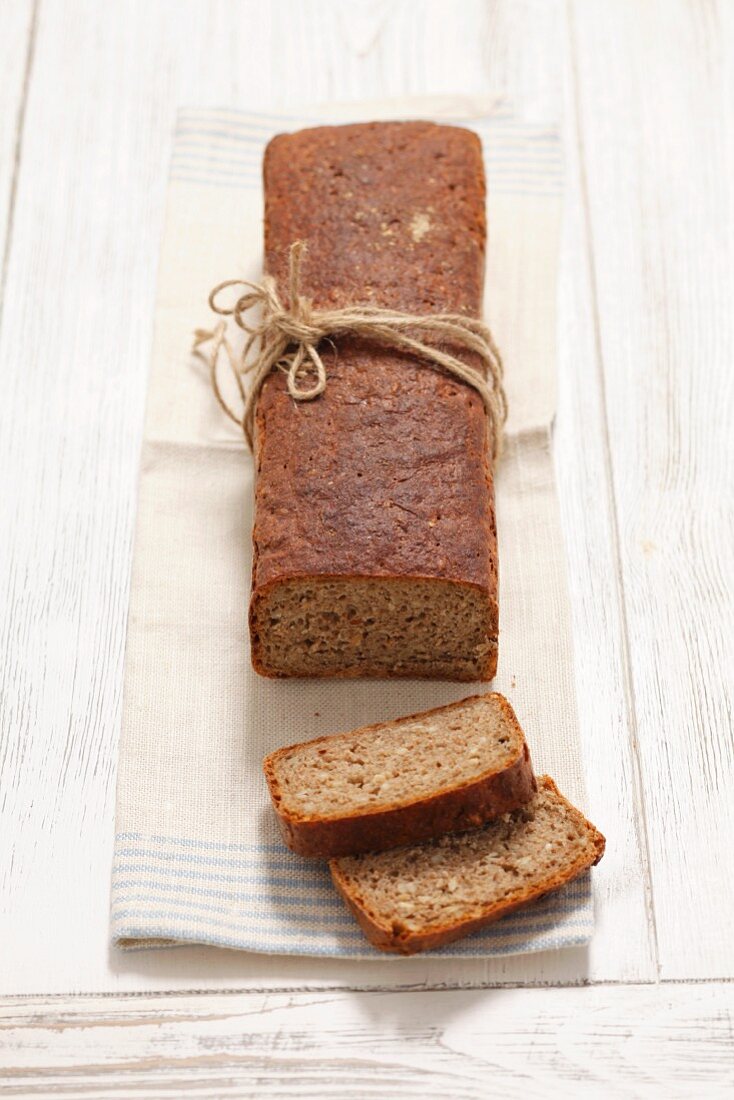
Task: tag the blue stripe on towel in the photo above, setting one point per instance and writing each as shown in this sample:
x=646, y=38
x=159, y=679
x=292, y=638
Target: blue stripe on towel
x=301, y=889
x=292, y=922
x=190, y=842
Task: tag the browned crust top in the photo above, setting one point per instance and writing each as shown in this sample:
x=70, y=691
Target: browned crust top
x=378, y=204
x=386, y=474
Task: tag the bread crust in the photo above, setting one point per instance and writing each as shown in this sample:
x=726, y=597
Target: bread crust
x=387, y=474
x=450, y=809
x=397, y=939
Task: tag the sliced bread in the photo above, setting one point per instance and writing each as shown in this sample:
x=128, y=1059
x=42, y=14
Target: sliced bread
x=417, y=898
x=401, y=782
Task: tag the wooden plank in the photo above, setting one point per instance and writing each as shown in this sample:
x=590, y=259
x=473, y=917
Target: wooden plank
x=74, y=348
x=79, y=308
x=656, y=110
x=16, y=53
x=612, y=1041
x=606, y=708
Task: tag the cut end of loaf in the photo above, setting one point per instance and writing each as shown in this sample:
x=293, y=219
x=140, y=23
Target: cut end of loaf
x=421, y=628
x=412, y=899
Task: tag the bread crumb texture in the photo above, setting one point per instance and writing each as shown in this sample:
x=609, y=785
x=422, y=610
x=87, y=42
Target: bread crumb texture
x=401, y=762
x=461, y=878
x=374, y=627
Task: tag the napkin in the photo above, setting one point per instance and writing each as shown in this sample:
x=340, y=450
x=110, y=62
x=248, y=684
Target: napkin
x=197, y=857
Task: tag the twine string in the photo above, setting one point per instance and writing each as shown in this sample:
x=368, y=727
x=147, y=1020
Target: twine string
x=287, y=337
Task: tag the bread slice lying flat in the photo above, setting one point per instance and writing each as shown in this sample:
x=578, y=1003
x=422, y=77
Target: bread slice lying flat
x=400, y=782
x=417, y=898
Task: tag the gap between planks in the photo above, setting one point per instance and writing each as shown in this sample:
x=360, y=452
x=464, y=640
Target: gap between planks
x=50, y=999
x=17, y=145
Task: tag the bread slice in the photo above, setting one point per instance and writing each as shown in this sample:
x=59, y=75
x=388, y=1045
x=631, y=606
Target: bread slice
x=414, y=899
x=401, y=782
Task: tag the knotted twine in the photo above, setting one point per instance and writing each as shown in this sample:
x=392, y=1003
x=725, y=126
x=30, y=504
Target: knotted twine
x=286, y=338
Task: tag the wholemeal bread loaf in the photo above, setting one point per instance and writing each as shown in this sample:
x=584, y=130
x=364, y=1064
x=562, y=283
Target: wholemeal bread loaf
x=400, y=782
x=374, y=534
x=413, y=899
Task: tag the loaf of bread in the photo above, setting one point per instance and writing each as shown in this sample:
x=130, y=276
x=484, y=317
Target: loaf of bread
x=374, y=534
x=400, y=782
x=413, y=899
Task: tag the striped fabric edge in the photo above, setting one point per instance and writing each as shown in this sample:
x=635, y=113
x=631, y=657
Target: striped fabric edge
x=140, y=937
x=223, y=148
x=141, y=927
x=150, y=928
x=306, y=922
x=175, y=890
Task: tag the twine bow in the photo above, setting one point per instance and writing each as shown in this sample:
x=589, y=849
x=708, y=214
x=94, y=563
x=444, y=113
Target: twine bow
x=288, y=337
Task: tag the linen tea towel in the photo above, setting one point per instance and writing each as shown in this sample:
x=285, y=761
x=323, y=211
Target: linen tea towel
x=197, y=855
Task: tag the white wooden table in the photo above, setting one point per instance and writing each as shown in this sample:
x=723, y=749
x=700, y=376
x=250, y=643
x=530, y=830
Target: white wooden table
x=644, y=93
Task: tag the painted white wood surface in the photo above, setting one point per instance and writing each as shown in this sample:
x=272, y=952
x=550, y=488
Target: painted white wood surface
x=76, y=414
x=15, y=66
x=645, y=95
x=655, y=94
x=606, y=712
x=607, y=1041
